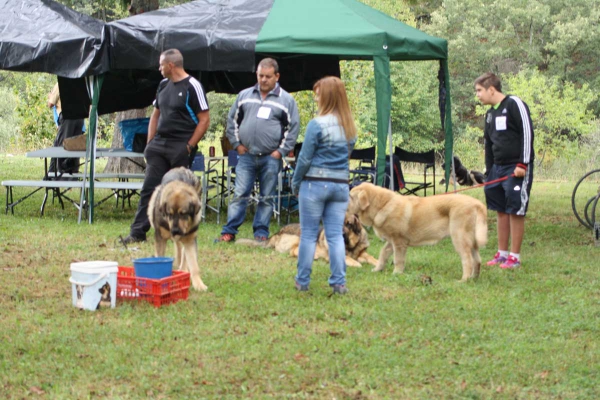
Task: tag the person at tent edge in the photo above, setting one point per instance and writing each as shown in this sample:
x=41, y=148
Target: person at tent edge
x=179, y=120
x=262, y=127
x=67, y=128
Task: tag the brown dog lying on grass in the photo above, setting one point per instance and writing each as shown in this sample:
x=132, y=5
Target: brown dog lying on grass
x=404, y=221
x=356, y=240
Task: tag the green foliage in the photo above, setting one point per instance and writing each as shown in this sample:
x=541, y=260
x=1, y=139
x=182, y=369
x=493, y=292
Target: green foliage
x=36, y=122
x=359, y=79
x=557, y=36
x=106, y=10
x=307, y=108
x=561, y=114
x=416, y=123
x=9, y=127
x=219, y=109
x=573, y=48
x=468, y=145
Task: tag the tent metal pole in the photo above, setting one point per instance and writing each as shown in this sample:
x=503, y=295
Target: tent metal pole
x=94, y=84
x=447, y=125
x=391, y=148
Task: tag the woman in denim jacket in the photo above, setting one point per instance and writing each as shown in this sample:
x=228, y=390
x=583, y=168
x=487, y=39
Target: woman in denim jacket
x=321, y=181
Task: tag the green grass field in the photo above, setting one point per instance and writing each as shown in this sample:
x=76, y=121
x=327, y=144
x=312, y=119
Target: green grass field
x=528, y=333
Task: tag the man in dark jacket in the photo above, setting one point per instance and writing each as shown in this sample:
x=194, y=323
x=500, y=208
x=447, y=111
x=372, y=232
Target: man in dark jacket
x=509, y=153
x=179, y=120
x=262, y=127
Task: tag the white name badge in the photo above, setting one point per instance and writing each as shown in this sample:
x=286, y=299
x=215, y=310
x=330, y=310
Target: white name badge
x=263, y=113
x=500, y=123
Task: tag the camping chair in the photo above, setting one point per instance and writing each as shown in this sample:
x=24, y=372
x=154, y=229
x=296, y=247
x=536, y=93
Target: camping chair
x=428, y=161
x=199, y=166
x=366, y=171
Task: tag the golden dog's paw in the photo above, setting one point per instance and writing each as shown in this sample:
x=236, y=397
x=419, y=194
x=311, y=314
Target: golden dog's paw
x=377, y=269
x=200, y=287
x=353, y=263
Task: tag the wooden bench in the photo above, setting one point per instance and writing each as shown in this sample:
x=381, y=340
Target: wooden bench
x=121, y=190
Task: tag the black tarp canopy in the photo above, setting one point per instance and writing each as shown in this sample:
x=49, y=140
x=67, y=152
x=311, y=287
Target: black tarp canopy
x=45, y=36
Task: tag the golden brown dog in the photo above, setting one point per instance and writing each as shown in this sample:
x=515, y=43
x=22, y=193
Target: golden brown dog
x=174, y=213
x=404, y=221
x=356, y=240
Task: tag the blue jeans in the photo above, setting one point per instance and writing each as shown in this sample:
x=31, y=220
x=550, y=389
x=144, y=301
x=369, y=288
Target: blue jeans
x=327, y=201
x=249, y=167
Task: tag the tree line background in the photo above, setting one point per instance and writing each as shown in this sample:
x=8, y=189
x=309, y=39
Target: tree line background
x=546, y=52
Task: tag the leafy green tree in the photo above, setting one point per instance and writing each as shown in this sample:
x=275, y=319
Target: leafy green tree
x=36, y=123
x=557, y=36
x=561, y=114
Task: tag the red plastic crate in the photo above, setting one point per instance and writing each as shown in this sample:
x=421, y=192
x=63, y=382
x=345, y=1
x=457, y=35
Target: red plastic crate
x=155, y=291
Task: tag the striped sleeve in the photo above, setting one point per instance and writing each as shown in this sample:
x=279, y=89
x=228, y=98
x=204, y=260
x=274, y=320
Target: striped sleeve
x=526, y=132
x=197, y=93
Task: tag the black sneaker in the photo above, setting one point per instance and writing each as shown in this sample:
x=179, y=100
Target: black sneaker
x=340, y=289
x=301, y=288
x=129, y=239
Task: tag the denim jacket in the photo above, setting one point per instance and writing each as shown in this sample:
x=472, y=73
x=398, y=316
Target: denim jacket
x=325, y=152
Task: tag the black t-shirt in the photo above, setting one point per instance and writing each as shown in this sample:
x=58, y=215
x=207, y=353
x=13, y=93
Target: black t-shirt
x=179, y=103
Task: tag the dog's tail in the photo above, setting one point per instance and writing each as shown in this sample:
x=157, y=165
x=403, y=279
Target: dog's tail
x=481, y=229
x=252, y=243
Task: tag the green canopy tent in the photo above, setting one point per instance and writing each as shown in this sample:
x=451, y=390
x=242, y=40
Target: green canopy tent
x=352, y=30
x=222, y=41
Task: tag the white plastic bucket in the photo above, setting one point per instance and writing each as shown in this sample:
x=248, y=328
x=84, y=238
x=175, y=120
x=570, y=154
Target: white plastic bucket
x=94, y=284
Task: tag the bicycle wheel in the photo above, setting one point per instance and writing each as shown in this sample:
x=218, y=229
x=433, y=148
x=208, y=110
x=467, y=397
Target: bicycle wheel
x=585, y=197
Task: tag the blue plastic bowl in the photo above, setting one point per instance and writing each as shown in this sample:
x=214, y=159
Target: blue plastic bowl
x=153, y=267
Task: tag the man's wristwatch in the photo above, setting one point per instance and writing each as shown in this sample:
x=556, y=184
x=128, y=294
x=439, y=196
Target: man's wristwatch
x=190, y=148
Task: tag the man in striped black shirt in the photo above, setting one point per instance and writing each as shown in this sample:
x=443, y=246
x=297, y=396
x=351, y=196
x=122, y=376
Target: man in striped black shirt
x=179, y=120
x=509, y=153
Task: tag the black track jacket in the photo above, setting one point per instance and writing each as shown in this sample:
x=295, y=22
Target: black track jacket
x=508, y=134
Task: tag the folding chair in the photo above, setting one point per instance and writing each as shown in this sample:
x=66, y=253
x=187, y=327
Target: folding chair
x=286, y=201
x=232, y=161
x=398, y=183
x=366, y=170
x=199, y=166
x=428, y=161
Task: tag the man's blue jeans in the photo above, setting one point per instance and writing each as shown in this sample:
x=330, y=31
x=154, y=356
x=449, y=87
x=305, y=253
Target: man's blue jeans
x=327, y=201
x=249, y=167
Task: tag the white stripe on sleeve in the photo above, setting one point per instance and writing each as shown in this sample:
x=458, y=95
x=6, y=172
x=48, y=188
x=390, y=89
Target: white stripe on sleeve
x=527, y=137
x=200, y=93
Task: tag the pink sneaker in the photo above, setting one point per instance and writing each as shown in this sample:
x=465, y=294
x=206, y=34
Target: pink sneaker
x=510, y=263
x=498, y=259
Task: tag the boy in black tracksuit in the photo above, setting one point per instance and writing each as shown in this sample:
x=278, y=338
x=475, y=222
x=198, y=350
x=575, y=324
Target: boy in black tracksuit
x=509, y=153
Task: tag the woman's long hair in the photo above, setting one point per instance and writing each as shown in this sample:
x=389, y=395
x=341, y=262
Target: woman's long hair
x=332, y=99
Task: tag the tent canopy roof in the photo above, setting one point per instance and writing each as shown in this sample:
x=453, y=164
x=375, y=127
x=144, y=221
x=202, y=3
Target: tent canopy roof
x=345, y=28
x=45, y=36
x=221, y=41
